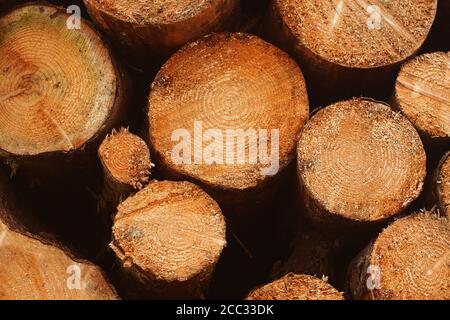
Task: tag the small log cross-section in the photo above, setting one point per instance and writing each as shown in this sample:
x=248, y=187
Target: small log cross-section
x=125, y=159
x=442, y=186
x=422, y=93
x=32, y=268
x=359, y=164
x=408, y=261
x=157, y=28
x=170, y=236
x=296, y=287
x=60, y=89
x=225, y=112
x=349, y=46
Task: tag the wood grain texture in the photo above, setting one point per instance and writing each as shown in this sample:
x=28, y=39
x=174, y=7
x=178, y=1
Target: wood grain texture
x=412, y=256
x=126, y=164
x=359, y=164
x=149, y=29
x=58, y=99
x=169, y=237
x=351, y=46
x=34, y=268
x=422, y=93
x=235, y=82
x=296, y=287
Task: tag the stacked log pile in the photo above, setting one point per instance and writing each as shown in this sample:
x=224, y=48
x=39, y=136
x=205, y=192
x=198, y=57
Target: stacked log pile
x=273, y=150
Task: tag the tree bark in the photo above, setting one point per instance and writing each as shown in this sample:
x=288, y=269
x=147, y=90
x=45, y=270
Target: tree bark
x=442, y=185
x=155, y=29
x=313, y=254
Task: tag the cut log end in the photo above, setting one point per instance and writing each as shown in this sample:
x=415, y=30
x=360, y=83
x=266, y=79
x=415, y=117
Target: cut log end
x=423, y=93
x=209, y=93
x=296, y=287
x=32, y=268
x=126, y=159
x=54, y=97
x=358, y=34
x=38, y=271
x=409, y=260
x=174, y=233
x=158, y=27
x=359, y=161
x=443, y=185
x=152, y=12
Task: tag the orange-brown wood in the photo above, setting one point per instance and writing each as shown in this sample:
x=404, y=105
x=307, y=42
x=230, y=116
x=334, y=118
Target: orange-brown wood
x=359, y=164
x=408, y=261
x=296, y=287
x=126, y=164
x=422, y=93
x=349, y=47
x=149, y=29
x=217, y=87
x=34, y=268
x=58, y=99
x=168, y=238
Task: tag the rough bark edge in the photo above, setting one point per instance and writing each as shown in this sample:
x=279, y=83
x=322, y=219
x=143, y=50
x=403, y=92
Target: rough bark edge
x=154, y=45
x=443, y=210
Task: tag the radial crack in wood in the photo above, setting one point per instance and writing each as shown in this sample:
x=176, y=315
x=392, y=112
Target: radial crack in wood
x=169, y=237
x=60, y=89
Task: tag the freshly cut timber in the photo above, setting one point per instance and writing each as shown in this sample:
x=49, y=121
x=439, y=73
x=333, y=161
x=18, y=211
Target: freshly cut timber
x=157, y=28
x=125, y=159
x=422, y=93
x=60, y=90
x=351, y=46
x=443, y=185
x=359, y=164
x=32, y=268
x=225, y=112
x=408, y=261
x=169, y=237
x=296, y=287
